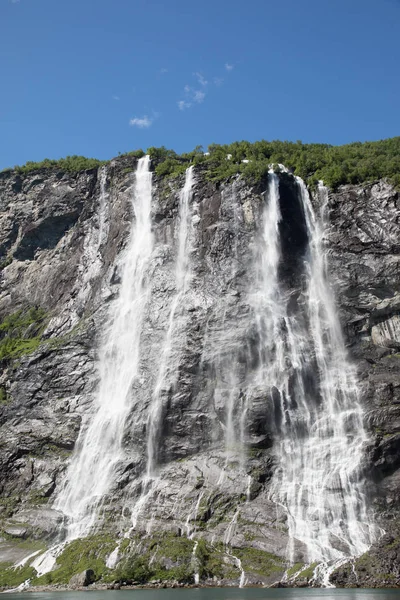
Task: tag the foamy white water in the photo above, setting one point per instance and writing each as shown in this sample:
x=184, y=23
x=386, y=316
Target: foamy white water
x=223, y=343
x=99, y=447
x=103, y=229
x=167, y=369
x=320, y=432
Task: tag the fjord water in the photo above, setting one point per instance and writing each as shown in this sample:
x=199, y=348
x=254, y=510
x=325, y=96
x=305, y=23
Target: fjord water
x=99, y=446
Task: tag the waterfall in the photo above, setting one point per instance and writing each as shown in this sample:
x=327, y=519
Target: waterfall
x=103, y=230
x=99, y=448
x=314, y=390
x=225, y=339
x=167, y=370
x=299, y=363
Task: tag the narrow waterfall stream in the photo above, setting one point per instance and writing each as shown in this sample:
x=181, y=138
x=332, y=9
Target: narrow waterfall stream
x=319, y=425
x=99, y=446
x=103, y=229
x=167, y=369
x=169, y=355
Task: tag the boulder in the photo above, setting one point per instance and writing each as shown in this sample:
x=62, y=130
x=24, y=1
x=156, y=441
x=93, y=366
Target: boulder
x=82, y=579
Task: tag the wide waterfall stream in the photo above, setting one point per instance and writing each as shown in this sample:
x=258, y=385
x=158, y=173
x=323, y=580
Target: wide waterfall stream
x=301, y=360
x=320, y=433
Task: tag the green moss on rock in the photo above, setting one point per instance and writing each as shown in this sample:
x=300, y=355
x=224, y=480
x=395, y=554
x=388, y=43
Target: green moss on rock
x=21, y=332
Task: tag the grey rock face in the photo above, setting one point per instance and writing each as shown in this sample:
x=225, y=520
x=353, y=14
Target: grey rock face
x=65, y=239
x=82, y=579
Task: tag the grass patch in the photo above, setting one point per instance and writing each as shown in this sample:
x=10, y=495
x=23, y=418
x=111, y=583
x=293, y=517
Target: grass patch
x=21, y=332
x=79, y=555
x=308, y=572
x=165, y=557
x=259, y=562
x=294, y=569
x=10, y=577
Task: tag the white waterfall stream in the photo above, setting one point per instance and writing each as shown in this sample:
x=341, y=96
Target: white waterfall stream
x=99, y=446
x=103, y=229
x=303, y=363
x=320, y=433
x=167, y=368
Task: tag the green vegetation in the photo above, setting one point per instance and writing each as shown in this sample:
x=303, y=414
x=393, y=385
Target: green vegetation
x=72, y=164
x=294, y=569
x=259, y=562
x=79, y=555
x=335, y=165
x=21, y=332
x=308, y=572
x=211, y=562
x=164, y=557
x=134, y=153
x=3, y=396
x=11, y=577
x=5, y=262
x=8, y=505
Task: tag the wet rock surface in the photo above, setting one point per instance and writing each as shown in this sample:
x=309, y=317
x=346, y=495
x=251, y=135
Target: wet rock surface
x=61, y=242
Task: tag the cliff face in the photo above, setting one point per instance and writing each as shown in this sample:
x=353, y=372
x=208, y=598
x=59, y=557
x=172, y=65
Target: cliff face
x=62, y=237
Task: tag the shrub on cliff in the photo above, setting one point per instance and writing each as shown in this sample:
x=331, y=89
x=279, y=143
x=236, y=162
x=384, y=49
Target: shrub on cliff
x=335, y=165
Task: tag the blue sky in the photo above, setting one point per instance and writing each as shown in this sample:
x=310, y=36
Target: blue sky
x=98, y=77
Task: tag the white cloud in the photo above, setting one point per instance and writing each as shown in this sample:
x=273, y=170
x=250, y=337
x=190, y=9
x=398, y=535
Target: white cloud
x=202, y=81
x=198, y=96
x=162, y=71
x=191, y=95
x=141, y=122
x=115, y=97
x=228, y=67
x=182, y=104
x=218, y=81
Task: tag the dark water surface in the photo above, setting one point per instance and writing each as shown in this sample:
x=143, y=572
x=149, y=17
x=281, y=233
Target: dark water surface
x=216, y=594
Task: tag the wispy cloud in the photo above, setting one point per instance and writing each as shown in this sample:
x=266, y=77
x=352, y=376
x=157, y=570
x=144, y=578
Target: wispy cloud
x=198, y=96
x=115, y=97
x=193, y=96
x=162, y=71
x=141, y=122
x=201, y=79
x=15, y=1
x=182, y=104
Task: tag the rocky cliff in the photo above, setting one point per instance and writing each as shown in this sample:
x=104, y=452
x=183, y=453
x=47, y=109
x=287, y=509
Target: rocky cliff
x=62, y=236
